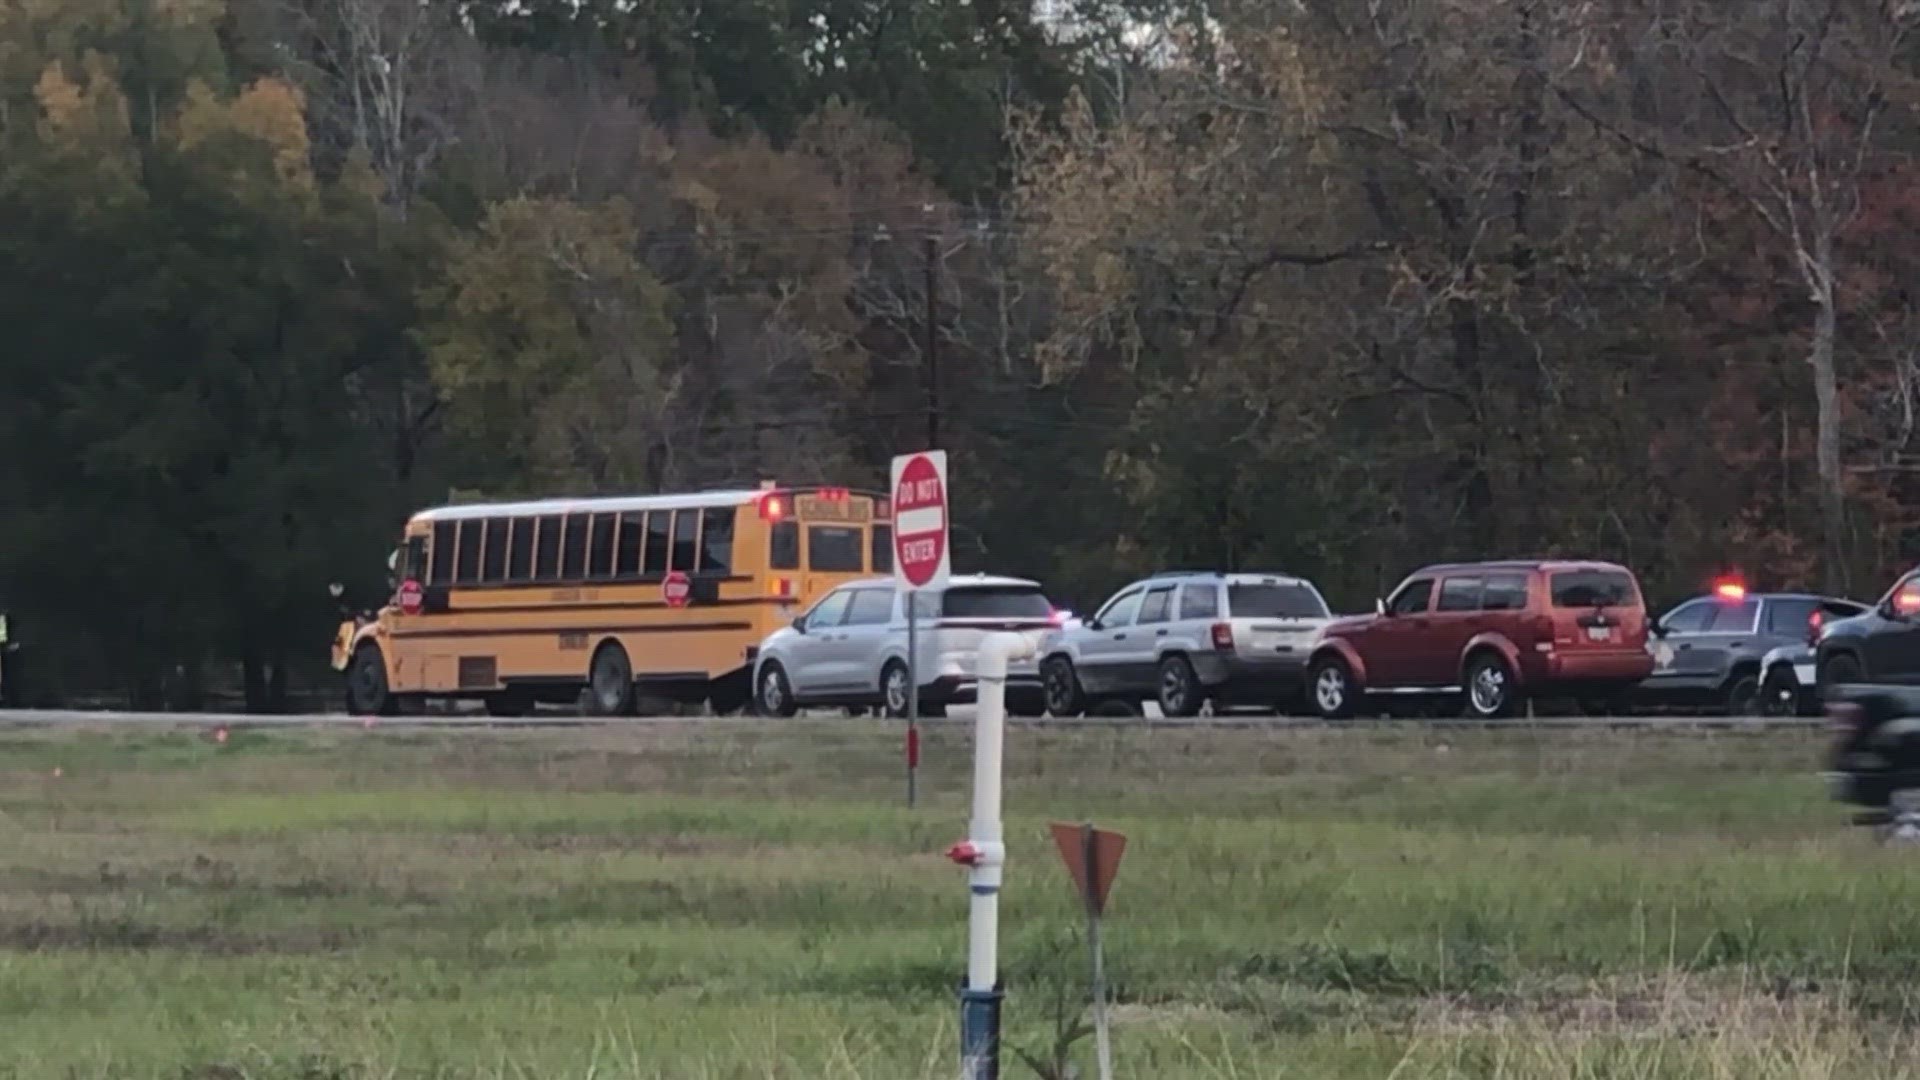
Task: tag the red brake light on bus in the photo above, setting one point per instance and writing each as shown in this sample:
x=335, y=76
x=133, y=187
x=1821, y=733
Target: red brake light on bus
x=783, y=587
x=772, y=508
x=834, y=494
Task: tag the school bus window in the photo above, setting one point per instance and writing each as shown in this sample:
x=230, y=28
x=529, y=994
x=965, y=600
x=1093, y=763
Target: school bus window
x=659, y=540
x=633, y=530
x=716, y=540
x=444, y=534
x=573, y=565
x=520, y=549
x=686, y=539
x=882, y=549
x=600, y=553
x=546, y=549
x=783, y=552
x=835, y=549
x=466, y=560
x=493, y=559
x=413, y=559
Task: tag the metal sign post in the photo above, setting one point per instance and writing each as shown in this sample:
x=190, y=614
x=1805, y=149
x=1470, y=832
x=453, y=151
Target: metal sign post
x=921, y=560
x=913, y=698
x=1093, y=858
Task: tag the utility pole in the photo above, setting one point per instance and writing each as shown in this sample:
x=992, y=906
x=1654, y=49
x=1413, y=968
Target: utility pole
x=932, y=372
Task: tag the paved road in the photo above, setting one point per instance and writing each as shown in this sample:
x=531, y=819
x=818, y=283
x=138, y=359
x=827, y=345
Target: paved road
x=68, y=718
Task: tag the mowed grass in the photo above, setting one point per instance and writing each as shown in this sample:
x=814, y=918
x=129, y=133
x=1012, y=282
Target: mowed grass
x=720, y=900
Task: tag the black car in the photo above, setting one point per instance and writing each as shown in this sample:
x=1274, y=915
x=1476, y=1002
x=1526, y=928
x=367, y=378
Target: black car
x=1880, y=646
x=1874, y=760
x=1709, y=651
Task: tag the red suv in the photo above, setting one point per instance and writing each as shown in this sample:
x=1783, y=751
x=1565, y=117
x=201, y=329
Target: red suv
x=1494, y=633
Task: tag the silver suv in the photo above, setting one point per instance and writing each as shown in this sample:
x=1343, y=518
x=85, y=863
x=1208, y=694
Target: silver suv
x=1185, y=638
x=850, y=648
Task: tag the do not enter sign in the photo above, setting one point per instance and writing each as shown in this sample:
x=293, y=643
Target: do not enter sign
x=676, y=589
x=921, y=558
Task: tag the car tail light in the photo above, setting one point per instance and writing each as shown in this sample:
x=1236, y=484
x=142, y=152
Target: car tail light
x=1813, y=628
x=1058, y=617
x=1223, y=636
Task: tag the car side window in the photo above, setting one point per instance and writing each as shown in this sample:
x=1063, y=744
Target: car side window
x=1412, y=597
x=1119, y=610
x=1504, y=592
x=1459, y=594
x=1834, y=609
x=870, y=607
x=1734, y=618
x=1791, y=615
x=1200, y=601
x=829, y=611
x=1154, y=608
x=1688, y=618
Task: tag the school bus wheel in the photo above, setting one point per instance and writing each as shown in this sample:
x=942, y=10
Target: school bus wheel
x=610, y=681
x=367, y=693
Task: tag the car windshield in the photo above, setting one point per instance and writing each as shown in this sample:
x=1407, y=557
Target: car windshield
x=1275, y=601
x=996, y=602
x=1593, y=588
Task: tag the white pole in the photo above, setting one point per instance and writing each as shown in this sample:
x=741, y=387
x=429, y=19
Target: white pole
x=989, y=738
x=984, y=853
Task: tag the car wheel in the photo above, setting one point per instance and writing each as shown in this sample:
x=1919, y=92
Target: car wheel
x=1331, y=685
x=1779, y=694
x=1060, y=685
x=1180, y=691
x=893, y=690
x=1742, y=695
x=1839, y=671
x=367, y=683
x=772, y=693
x=1491, y=693
x=610, y=682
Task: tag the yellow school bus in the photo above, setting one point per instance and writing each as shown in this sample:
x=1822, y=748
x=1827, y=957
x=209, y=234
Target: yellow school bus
x=518, y=603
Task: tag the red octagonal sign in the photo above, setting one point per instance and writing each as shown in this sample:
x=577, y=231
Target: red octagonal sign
x=676, y=589
x=410, y=597
x=920, y=556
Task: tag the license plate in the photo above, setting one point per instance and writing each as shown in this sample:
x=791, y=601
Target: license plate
x=1599, y=633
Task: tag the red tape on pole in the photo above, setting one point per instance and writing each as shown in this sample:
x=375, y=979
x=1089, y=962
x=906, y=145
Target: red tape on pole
x=913, y=747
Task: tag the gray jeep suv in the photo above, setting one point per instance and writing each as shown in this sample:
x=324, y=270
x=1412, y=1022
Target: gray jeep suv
x=1185, y=638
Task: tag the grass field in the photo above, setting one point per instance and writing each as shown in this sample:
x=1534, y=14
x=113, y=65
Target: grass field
x=741, y=900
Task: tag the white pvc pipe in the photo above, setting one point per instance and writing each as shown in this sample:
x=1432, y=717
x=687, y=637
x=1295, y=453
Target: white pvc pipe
x=984, y=832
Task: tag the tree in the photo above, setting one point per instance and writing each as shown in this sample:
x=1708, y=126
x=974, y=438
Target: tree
x=1785, y=110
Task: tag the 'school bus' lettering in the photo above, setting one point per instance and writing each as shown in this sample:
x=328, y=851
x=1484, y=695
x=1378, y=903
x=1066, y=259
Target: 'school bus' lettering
x=533, y=592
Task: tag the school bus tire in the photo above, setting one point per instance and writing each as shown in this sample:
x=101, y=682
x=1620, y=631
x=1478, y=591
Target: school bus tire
x=366, y=683
x=610, y=681
x=731, y=694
